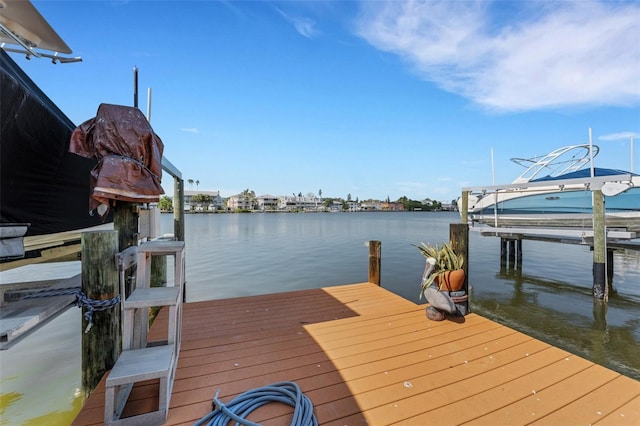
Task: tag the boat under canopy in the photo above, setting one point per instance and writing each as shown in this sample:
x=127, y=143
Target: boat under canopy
x=42, y=184
x=559, y=199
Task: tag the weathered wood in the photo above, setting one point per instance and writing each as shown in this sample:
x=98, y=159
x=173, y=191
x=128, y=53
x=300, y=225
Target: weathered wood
x=178, y=219
x=600, y=290
x=374, y=262
x=158, y=271
x=512, y=252
x=21, y=317
x=464, y=208
x=101, y=344
x=610, y=268
x=125, y=221
x=459, y=237
x=178, y=209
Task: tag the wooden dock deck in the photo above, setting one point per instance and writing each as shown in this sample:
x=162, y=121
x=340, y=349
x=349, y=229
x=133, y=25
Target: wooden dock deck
x=366, y=356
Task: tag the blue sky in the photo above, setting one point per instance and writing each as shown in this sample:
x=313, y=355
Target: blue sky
x=373, y=99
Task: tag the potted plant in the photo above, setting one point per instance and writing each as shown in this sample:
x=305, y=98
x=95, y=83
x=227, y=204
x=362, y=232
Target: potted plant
x=447, y=272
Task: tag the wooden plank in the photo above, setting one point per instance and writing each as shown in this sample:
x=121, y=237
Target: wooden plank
x=365, y=355
x=628, y=414
x=20, y=318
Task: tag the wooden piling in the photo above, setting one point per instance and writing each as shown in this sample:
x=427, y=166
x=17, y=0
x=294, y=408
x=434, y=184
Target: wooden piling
x=610, y=268
x=125, y=221
x=178, y=220
x=374, y=262
x=459, y=237
x=503, y=252
x=178, y=209
x=101, y=344
x=600, y=289
x=464, y=208
x=512, y=253
x=158, y=271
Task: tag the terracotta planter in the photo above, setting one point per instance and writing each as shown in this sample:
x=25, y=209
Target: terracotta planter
x=451, y=280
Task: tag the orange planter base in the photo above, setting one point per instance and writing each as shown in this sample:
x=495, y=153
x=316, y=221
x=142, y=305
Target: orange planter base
x=451, y=280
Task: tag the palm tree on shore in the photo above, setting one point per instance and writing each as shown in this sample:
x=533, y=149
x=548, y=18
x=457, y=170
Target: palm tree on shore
x=197, y=183
x=190, y=183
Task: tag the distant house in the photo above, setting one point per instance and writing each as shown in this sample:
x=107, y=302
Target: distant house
x=267, y=202
x=241, y=202
x=190, y=205
x=290, y=203
x=371, y=205
x=392, y=206
x=448, y=207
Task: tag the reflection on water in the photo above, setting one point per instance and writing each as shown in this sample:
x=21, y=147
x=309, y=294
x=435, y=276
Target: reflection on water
x=564, y=313
x=40, y=375
x=549, y=297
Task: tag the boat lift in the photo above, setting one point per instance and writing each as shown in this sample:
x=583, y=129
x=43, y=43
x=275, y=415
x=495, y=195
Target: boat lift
x=597, y=235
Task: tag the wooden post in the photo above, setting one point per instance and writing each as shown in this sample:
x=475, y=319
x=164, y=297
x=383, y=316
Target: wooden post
x=178, y=209
x=125, y=221
x=610, y=268
x=101, y=344
x=178, y=220
x=512, y=253
x=374, y=262
x=158, y=271
x=599, y=247
x=459, y=237
x=464, y=209
x=503, y=252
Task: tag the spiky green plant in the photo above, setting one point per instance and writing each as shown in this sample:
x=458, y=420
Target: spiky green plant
x=445, y=257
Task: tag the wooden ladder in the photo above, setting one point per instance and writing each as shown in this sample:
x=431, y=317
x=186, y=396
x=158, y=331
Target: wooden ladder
x=141, y=360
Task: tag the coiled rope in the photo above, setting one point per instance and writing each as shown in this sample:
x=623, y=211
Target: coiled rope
x=82, y=301
x=241, y=406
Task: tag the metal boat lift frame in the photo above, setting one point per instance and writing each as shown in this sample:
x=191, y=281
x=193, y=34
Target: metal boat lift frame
x=597, y=236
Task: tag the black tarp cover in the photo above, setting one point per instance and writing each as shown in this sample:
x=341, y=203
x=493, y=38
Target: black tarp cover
x=129, y=156
x=41, y=183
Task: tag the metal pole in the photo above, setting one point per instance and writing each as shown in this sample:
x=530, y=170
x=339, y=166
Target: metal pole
x=149, y=104
x=135, y=86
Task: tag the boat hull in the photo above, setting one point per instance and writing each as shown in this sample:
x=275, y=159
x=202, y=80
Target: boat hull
x=568, y=208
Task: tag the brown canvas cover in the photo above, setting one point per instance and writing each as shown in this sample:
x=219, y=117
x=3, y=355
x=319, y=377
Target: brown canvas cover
x=129, y=156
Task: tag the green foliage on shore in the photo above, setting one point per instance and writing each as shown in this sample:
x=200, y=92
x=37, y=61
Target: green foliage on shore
x=165, y=204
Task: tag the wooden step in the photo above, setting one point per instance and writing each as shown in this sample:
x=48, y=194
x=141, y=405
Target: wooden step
x=161, y=247
x=138, y=365
x=143, y=297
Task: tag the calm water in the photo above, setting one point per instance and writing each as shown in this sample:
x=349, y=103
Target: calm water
x=247, y=254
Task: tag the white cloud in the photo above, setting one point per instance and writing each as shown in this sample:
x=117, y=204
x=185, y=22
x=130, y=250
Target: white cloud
x=189, y=130
x=516, y=56
x=619, y=136
x=304, y=26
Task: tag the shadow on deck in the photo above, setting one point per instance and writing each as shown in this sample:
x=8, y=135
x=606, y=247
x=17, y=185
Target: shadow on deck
x=366, y=356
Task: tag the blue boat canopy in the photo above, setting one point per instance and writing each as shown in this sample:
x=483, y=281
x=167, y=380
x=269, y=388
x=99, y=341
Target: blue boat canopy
x=585, y=173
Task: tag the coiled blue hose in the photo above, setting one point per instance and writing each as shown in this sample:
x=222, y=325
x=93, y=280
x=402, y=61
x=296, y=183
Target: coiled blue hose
x=241, y=406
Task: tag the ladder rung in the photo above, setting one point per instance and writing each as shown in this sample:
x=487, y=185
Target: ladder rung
x=137, y=365
x=161, y=246
x=154, y=296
